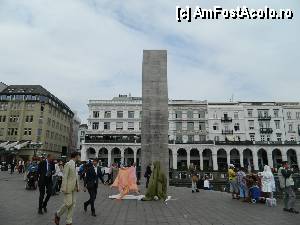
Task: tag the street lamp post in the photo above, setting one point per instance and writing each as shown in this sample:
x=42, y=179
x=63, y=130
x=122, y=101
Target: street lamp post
x=35, y=147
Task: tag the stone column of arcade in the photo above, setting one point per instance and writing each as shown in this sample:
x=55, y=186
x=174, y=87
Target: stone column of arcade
x=83, y=153
x=270, y=159
x=109, y=157
x=154, y=135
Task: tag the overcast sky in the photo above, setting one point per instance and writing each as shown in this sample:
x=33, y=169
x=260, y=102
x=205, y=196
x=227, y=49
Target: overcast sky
x=92, y=49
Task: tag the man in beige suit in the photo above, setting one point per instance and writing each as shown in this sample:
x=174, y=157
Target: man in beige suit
x=70, y=185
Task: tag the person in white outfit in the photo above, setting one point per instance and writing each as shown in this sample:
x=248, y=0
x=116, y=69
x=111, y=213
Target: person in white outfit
x=70, y=185
x=267, y=181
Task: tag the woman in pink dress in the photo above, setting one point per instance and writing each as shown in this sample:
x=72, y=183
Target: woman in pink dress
x=126, y=181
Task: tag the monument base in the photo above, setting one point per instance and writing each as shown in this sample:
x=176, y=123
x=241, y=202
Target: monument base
x=127, y=197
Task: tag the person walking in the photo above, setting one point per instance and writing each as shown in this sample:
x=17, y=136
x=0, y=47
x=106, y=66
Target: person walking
x=195, y=178
x=147, y=175
x=241, y=181
x=91, y=184
x=21, y=166
x=109, y=171
x=70, y=185
x=55, y=178
x=99, y=172
x=12, y=166
x=286, y=184
x=59, y=175
x=45, y=172
x=233, y=182
x=26, y=166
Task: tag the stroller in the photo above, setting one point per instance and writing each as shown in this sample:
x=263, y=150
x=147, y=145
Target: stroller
x=31, y=182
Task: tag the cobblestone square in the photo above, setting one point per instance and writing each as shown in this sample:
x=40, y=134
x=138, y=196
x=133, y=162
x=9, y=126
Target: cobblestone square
x=19, y=207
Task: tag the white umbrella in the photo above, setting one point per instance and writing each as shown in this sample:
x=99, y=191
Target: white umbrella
x=21, y=145
x=7, y=147
x=3, y=144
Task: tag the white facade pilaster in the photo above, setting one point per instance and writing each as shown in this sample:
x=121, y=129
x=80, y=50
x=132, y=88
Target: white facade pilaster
x=215, y=161
x=122, y=157
x=284, y=155
x=270, y=159
x=241, y=159
x=255, y=160
x=188, y=158
x=109, y=157
x=83, y=152
x=201, y=159
x=134, y=155
x=174, y=160
x=298, y=159
x=228, y=157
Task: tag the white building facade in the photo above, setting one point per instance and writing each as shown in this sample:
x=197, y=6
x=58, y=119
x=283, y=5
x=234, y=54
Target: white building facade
x=74, y=127
x=81, y=136
x=207, y=135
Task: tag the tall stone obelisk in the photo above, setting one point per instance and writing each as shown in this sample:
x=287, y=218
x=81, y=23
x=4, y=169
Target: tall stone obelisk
x=155, y=110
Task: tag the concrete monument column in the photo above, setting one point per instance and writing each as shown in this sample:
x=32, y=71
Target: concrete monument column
x=155, y=110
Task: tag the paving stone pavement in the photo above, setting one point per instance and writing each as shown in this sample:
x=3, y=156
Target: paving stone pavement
x=19, y=207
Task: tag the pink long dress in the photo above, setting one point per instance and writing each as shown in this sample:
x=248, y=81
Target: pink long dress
x=126, y=181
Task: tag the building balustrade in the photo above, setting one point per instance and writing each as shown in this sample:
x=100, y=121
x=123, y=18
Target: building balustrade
x=190, y=142
x=227, y=131
x=263, y=117
x=226, y=119
x=112, y=141
x=247, y=142
x=234, y=142
x=116, y=138
x=266, y=130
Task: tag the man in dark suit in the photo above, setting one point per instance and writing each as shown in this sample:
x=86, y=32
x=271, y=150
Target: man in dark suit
x=45, y=171
x=100, y=174
x=91, y=184
x=12, y=166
